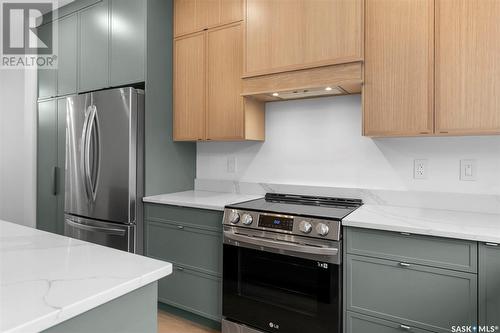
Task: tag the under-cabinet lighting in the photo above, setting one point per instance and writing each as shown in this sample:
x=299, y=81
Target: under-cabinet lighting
x=276, y=94
x=328, y=88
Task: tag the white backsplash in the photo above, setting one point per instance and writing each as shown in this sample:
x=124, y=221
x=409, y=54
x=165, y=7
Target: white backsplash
x=315, y=146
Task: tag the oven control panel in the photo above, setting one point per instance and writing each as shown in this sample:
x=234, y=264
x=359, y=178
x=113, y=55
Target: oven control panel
x=276, y=222
x=296, y=225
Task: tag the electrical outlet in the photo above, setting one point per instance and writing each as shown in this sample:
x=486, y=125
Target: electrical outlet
x=420, y=169
x=231, y=164
x=468, y=170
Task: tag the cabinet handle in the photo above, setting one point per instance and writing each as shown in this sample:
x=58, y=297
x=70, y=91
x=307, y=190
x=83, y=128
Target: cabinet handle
x=404, y=327
x=180, y=227
x=492, y=244
x=404, y=264
x=54, y=180
x=180, y=269
x=405, y=234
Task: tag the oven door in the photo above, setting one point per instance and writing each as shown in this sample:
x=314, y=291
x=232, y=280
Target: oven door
x=281, y=292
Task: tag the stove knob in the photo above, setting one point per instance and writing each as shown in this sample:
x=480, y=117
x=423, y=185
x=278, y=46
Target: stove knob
x=234, y=217
x=247, y=219
x=305, y=227
x=322, y=229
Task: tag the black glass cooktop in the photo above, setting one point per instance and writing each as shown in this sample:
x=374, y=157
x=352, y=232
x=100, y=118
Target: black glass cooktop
x=311, y=206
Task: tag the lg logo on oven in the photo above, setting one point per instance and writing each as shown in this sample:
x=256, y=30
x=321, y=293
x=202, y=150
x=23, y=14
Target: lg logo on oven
x=275, y=326
x=323, y=265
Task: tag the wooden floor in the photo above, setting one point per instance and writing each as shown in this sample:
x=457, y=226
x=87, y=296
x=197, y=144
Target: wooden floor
x=168, y=323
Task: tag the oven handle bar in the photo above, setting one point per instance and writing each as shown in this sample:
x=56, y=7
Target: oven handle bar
x=326, y=251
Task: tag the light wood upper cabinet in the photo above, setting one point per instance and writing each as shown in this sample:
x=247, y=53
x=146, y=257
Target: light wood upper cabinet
x=399, y=67
x=189, y=87
x=197, y=15
x=225, y=62
x=207, y=88
x=297, y=34
x=467, y=67
x=231, y=11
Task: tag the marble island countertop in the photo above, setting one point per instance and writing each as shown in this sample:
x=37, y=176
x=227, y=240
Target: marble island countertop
x=201, y=199
x=431, y=222
x=46, y=279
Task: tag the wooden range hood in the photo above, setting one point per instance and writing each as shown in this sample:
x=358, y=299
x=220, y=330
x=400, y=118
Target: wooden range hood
x=332, y=80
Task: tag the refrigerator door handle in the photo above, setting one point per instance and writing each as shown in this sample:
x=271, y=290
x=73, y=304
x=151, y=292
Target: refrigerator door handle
x=90, y=130
x=109, y=231
x=94, y=135
x=85, y=151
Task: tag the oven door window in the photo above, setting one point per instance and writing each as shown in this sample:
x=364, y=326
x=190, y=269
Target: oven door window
x=297, y=295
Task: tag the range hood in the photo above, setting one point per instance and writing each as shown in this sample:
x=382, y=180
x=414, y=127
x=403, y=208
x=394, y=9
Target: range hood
x=330, y=80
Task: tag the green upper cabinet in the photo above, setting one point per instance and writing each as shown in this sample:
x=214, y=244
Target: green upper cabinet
x=128, y=41
x=99, y=46
x=47, y=78
x=489, y=284
x=47, y=166
x=93, y=71
x=67, y=55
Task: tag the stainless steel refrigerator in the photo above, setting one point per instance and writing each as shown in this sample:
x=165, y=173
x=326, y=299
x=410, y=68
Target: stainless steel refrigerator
x=105, y=168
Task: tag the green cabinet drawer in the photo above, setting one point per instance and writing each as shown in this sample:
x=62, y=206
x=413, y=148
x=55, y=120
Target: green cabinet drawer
x=425, y=297
x=175, y=214
x=186, y=244
x=192, y=291
x=489, y=284
x=423, y=250
x=357, y=323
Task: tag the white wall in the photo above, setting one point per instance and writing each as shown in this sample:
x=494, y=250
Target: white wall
x=318, y=142
x=18, y=146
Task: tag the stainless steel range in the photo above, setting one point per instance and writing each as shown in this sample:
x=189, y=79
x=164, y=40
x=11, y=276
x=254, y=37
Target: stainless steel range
x=283, y=264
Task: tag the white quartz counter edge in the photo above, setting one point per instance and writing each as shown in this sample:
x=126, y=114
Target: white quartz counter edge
x=46, y=279
x=200, y=199
x=84, y=305
x=431, y=222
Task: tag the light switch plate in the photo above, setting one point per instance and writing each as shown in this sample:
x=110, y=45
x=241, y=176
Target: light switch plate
x=468, y=171
x=420, y=169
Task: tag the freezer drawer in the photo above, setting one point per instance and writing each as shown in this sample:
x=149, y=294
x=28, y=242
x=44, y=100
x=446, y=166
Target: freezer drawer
x=115, y=235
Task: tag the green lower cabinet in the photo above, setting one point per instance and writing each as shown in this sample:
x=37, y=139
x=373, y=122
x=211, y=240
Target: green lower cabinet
x=424, y=297
x=51, y=143
x=192, y=291
x=358, y=323
x=489, y=284
x=61, y=163
x=191, y=239
x=46, y=213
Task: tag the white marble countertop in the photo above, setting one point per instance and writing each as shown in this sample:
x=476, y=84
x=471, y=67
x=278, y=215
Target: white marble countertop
x=432, y=222
x=201, y=199
x=46, y=279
